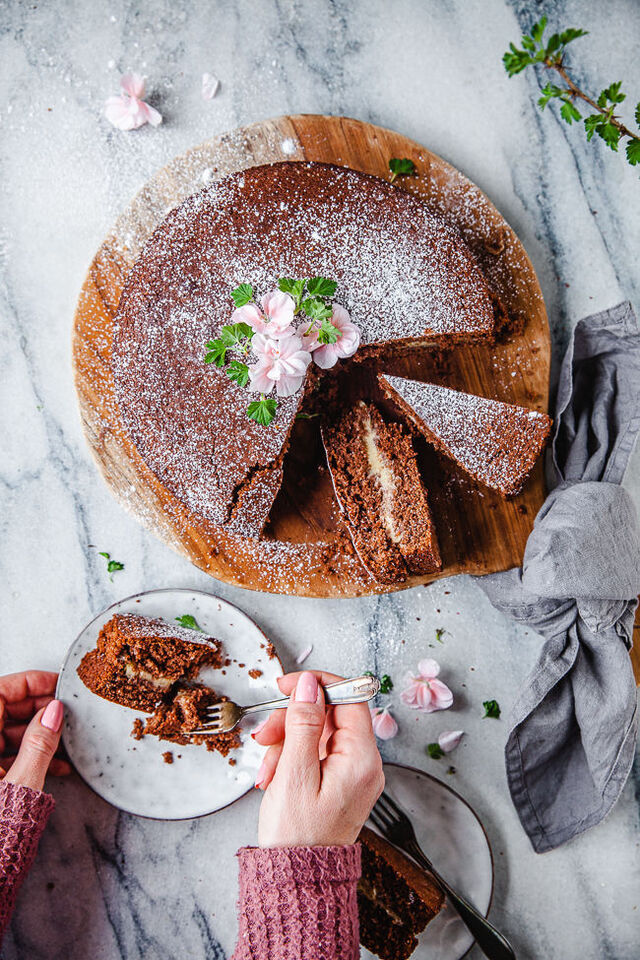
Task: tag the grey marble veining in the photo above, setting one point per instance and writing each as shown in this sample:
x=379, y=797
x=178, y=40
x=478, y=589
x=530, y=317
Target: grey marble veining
x=110, y=886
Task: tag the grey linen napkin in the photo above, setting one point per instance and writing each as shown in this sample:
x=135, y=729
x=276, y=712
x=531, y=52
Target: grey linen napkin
x=575, y=722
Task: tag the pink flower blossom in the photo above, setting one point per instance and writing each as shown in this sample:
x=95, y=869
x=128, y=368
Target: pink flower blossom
x=276, y=316
x=210, y=86
x=384, y=726
x=129, y=111
x=282, y=363
x=424, y=692
x=449, y=740
x=327, y=354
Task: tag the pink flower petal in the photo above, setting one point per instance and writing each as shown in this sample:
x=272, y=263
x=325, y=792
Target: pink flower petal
x=442, y=697
x=210, y=86
x=287, y=385
x=384, y=726
x=449, y=739
x=326, y=356
x=259, y=381
x=117, y=112
x=428, y=668
x=305, y=653
x=148, y=114
x=133, y=84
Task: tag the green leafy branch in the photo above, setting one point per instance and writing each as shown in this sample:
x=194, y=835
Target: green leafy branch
x=314, y=306
x=603, y=121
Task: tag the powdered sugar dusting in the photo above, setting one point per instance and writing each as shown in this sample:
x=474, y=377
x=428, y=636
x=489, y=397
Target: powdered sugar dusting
x=401, y=271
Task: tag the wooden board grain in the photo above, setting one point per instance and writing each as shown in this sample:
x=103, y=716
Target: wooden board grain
x=305, y=551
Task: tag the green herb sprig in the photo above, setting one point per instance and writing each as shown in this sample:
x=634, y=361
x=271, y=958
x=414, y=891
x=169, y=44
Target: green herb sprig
x=602, y=120
x=491, y=709
x=435, y=751
x=112, y=565
x=401, y=167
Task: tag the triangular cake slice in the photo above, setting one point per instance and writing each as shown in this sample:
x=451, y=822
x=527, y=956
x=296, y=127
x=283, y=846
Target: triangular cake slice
x=379, y=490
x=396, y=899
x=495, y=443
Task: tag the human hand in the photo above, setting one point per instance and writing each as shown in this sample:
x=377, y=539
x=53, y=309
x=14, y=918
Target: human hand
x=30, y=724
x=322, y=772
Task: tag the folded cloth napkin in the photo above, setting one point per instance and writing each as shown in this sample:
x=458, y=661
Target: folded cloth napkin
x=575, y=722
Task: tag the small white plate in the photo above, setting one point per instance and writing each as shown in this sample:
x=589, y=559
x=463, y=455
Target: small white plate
x=455, y=841
x=131, y=774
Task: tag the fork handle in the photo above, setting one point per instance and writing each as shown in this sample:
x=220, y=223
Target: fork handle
x=490, y=940
x=354, y=690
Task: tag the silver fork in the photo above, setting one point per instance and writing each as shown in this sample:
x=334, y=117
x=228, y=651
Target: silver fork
x=225, y=716
x=395, y=825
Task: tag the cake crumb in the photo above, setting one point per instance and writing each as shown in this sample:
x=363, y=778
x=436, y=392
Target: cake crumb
x=167, y=756
x=138, y=729
x=255, y=673
x=232, y=761
x=271, y=651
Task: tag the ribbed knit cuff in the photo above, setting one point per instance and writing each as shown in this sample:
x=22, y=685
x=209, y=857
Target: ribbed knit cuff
x=23, y=816
x=298, y=903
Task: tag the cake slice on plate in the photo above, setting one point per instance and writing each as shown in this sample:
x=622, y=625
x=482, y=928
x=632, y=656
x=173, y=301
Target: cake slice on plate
x=148, y=664
x=396, y=899
x=381, y=495
x=495, y=443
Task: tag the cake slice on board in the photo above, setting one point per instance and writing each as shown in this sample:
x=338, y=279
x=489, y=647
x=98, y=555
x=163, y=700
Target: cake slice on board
x=382, y=498
x=496, y=443
x=396, y=899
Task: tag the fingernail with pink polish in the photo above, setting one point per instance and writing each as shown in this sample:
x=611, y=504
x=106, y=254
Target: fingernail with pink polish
x=261, y=774
x=307, y=688
x=52, y=716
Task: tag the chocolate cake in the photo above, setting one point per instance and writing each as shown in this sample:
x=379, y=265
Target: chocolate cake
x=403, y=273
x=148, y=664
x=496, y=443
x=396, y=899
x=378, y=487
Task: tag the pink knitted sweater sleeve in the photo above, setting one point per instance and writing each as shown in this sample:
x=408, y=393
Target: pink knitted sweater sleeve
x=298, y=903
x=23, y=816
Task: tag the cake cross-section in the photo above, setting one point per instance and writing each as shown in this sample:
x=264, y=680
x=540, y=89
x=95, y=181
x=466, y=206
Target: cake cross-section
x=496, y=443
x=381, y=495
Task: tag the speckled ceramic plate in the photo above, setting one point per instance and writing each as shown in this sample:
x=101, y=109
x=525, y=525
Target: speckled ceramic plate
x=452, y=836
x=132, y=775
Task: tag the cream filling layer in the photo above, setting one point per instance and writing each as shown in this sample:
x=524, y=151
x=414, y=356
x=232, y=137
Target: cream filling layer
x=162, y=683
x=380, y=470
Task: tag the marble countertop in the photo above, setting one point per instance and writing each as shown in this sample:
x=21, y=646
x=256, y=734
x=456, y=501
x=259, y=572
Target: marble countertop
x=107, y=885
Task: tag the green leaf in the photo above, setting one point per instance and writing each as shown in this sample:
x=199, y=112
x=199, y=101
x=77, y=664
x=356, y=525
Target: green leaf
x=633, y=151
x=306, y=416
x=515, y=60
x=528, y=43
x=216, y=353
x=491, y=709
x=638, y=114
x=435, y=751
x=538, y=29
x=294, y=288
x=238, y=372
x=553, y=44
x=113, y=565
x=189, y=622
x=328, y=333
x=571, y=34
x=591, y=123
x=386, y=683
x=602, y=100
x=609, y=133
x=234, y=333
x=262, y=411
x=548, y=93
x=569, y=112
x=439, y=633
x=107, y=555
x=321, y=287
x=613, y=93
x=401, y=167
x=242, y=294
x=315, y=308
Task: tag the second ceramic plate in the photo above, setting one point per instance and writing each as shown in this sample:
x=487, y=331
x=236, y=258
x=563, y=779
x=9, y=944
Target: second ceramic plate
x=131, y=774
x=452, y=836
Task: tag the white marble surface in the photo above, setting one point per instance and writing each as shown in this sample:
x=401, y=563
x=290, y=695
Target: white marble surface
x=107, y=885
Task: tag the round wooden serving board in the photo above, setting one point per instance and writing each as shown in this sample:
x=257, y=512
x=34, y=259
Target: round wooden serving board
x=305, y=550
